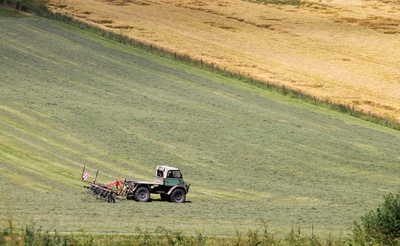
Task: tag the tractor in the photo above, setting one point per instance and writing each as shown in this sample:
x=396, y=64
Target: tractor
x=168, y=182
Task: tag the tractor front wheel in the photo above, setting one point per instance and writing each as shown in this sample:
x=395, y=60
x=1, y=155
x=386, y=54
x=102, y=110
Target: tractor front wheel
x=142, y=194
x=178, y=195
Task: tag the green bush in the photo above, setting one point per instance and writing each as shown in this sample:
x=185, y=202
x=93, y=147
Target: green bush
x=381, y=226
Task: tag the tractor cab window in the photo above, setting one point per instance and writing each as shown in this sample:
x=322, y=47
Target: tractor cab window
x=174, y=174
x=159, y=173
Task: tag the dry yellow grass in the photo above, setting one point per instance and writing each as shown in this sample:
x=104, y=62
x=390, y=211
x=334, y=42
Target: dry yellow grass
x=345, y=51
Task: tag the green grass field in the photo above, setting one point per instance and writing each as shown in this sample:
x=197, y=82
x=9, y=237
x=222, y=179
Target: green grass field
x=70, y=98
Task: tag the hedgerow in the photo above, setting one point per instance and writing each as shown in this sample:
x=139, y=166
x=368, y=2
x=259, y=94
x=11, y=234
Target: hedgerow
x=32, y=6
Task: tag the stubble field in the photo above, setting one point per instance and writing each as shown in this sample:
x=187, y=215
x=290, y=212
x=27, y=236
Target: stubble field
x=70, y=98
x=338, y=50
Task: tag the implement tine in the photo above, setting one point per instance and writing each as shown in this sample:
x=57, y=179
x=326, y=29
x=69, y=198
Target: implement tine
x=94, y=180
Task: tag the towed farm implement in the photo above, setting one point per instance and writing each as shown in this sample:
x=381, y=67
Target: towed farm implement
x=168, y=183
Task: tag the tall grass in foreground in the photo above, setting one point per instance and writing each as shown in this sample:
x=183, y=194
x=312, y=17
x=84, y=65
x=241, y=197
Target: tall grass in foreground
x=30, y=235
x=379, y=227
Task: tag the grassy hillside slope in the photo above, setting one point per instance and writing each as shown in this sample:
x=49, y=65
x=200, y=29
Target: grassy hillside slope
x=69, y=98
x=341, y=51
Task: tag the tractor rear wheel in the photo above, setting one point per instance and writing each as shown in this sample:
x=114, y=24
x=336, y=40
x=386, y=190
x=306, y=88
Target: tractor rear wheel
x=178, y=195
x=142, y=194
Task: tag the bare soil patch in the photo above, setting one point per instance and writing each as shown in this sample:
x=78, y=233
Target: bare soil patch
x=344, y=51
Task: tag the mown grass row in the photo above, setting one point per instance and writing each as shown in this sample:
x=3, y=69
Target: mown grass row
x=223, y=71
x=39, y=7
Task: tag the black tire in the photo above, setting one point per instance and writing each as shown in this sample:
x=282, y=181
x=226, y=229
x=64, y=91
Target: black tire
x=164, y=197
x=178, y=195
x=111, y=199
x=142, y=194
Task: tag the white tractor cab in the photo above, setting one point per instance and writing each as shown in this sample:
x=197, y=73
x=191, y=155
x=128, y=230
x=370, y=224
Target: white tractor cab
x=167, y=175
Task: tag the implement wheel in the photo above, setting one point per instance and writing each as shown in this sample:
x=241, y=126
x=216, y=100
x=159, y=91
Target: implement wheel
x=111, y=199
x=178, y=195
x=142, y=194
